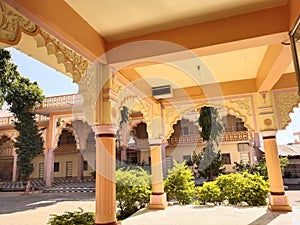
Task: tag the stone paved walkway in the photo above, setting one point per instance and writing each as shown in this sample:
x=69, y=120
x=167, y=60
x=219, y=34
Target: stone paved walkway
x=35, y=209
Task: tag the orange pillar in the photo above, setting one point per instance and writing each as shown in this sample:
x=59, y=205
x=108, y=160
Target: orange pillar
x=105, y=175
x=278, y=201
x=158, y=198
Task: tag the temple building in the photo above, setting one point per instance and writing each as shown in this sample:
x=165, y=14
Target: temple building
x=74, y=155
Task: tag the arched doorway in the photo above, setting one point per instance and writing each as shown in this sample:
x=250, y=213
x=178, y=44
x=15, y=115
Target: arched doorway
x=66, y=155
x=137, y=149
x=184, y=140
x=6, y=158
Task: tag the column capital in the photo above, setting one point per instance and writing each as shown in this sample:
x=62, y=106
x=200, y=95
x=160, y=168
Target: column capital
x=105, y=129
x=268, y=134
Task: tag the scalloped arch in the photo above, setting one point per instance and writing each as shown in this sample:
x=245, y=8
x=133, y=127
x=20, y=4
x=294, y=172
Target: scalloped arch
x=289, y=120
x=10, y=138
x=9, y=135
x=132, y=101
x=184, y=115
x=64, y=127
x=237, y=114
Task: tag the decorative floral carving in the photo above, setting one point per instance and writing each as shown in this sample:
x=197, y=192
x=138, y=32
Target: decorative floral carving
x=12, y=24
x=89, y=90
x=243, y=105
x=74, y=63
x=285, y=102
x=171, y=116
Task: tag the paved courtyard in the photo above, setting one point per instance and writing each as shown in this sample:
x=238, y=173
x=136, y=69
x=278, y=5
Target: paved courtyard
x=35, y=209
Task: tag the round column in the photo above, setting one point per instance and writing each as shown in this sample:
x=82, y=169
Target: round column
x=105, y=175
x=278, y=201
x=158, y=198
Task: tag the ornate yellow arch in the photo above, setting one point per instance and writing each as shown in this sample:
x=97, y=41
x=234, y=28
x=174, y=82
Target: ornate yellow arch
x=285, y=102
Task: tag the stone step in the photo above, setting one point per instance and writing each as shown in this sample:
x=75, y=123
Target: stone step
x=66, y=190
x=58, y=185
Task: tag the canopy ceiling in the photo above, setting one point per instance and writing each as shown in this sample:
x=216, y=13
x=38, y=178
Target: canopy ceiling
x=181, y=43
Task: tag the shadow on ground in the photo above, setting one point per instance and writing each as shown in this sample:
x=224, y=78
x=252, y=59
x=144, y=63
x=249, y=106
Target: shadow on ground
x=18, y=201
x=267, y=218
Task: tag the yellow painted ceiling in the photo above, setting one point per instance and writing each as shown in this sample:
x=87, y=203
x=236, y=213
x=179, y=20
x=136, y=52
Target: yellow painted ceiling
x=119, y=19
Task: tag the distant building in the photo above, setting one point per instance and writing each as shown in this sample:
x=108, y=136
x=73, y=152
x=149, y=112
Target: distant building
x=74, y=153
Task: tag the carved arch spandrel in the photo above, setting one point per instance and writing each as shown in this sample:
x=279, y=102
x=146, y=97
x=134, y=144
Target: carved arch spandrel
x=133, y=102
x=74, y=63
x=12, y=24
x=242, y=108
x=235, y=108
x=285, y=102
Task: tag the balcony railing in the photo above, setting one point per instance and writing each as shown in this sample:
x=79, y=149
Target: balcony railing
x=62, y=101
x=66, y=148
x=140, y=144
x=196, y=139
x=185, y=140
x=236, y=136
x=9, y=120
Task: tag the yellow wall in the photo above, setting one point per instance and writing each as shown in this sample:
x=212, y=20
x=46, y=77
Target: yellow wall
x=90, y=157
x=234, y=155
x=177, y=153
x=145, y=156
x=63, y=159
x=39, y=159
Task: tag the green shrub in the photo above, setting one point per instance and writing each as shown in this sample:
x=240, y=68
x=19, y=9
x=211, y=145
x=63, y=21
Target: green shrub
x=236, y=189
x=231, y=186
x=73, y=218
x=180, y=183
x=133, y=186
x=209, y=193
x=255, y=189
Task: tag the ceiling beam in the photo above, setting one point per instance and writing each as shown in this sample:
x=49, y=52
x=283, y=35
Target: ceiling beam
x=275, y=62
x=226, y=30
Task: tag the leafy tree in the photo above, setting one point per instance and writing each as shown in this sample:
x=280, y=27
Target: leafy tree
x=209, y=160
x=259, y=167
x=133, y=189
x=23, y=97
x=209, y=163
x=180, y=183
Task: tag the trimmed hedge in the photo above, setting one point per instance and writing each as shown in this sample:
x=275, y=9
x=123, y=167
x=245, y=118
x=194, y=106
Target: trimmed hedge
x=73, y=218
x=133, y=186
x=180, y=183
x=236, y=189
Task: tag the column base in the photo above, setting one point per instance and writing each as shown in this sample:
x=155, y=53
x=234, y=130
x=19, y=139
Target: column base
x=111, y=223
x=279, y=203
x=158, y=201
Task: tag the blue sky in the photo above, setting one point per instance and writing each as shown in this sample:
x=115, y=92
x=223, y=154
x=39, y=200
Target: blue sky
x=54, y=83
x=49, y=80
